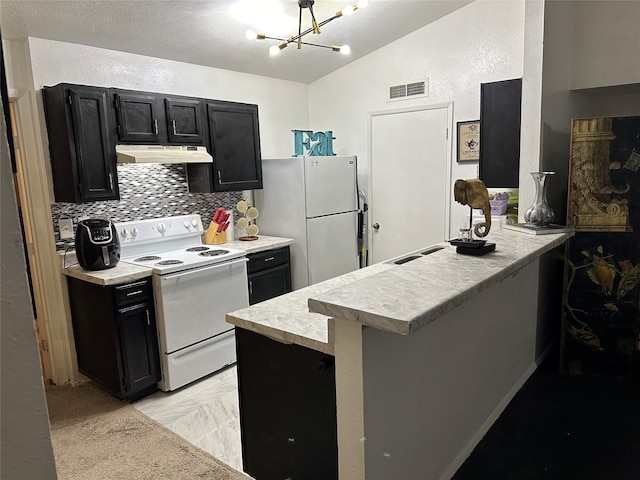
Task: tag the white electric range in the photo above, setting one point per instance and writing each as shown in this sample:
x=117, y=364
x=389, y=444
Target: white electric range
x=194, y=286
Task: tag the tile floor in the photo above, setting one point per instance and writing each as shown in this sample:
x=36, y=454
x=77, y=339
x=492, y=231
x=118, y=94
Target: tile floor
x=205, y=413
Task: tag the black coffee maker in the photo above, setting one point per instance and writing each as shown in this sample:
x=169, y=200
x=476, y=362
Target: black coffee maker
x=97, y=244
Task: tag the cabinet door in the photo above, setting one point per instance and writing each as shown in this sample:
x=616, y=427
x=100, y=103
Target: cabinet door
x=235, y=145
x=80, y=143
x=140, y=358
x=287, y=399
x=94, y=149
x=185, y=121
x=269, y=283
x=141, y=118
x=500, y=107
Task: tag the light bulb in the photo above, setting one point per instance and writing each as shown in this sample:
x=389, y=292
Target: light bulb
x=348, y=10
x=251, y=35
x=274, y=50
x=345, y=49
x=363, y=3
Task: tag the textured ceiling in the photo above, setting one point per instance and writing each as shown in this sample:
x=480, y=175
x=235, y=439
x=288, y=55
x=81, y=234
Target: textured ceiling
x=211, y=33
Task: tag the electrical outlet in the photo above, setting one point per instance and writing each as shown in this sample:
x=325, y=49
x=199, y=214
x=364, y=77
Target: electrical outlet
x=65, y=226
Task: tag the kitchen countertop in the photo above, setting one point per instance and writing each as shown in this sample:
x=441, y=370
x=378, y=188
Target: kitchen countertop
x=287, y=318
x=125, y=272
x=392, y=297
x=121, y=273
x=408, y=297
x=260, y=245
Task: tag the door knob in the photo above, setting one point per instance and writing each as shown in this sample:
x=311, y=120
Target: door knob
x=376, y=226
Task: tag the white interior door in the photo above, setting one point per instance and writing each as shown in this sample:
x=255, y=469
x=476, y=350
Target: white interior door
x=409, y=206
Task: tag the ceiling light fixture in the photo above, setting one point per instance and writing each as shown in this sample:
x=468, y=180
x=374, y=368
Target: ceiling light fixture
x=315, y=28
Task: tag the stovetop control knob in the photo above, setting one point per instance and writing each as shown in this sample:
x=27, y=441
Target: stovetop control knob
x=187, y=224
x=162, y=227
x=194, y=222
x=124, y=233
x=134, y=231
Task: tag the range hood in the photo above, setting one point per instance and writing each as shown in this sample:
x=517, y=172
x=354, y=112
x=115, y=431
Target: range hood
x=162, y=154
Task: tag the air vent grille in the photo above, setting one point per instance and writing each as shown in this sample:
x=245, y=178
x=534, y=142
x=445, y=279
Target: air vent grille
x=406, y=91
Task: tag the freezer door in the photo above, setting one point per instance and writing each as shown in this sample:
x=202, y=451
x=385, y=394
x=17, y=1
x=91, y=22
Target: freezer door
x=333, y=247
x=330, y=185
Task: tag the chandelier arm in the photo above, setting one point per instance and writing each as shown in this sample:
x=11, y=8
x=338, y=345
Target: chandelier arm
x=300, y=23
x=309, y=30
x=324, y=22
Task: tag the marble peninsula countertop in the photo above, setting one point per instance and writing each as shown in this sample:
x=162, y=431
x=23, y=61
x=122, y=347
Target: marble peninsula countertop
x=287, y=318
x=126, y=272
x=395, y=298
x=409, y=296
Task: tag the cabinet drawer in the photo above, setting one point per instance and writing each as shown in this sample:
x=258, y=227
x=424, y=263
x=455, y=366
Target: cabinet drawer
x=267, y=259
x=132, y=292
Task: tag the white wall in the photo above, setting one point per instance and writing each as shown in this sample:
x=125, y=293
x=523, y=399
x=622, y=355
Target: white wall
x=482, y=42
x=606, y=38
x=282, y=104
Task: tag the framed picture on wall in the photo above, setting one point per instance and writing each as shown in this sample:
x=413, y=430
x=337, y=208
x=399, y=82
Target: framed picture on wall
x=469, y=141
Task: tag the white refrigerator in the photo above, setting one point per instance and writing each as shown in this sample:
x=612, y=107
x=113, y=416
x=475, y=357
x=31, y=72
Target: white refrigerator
x=313, y=200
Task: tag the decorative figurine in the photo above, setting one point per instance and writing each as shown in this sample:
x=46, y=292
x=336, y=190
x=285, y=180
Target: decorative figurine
x=472, y=192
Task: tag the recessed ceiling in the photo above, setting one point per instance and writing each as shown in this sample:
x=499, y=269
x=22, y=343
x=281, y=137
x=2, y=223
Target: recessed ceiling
x=212, y=33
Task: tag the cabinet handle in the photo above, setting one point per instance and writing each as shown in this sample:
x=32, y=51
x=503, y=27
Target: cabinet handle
x=173, y=123
x=148, y=318
x=111, y=181
x=137, y=292
x=250, y=287
x=219, y=177
x=155, y=126
x=269, y=259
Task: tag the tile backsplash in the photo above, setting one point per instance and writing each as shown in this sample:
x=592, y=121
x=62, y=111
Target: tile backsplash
x=146, y=191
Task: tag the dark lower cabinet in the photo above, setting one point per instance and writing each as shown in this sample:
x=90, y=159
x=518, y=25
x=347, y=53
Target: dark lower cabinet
x=115, y=336
x=81, y=144
x=287, y=410
x=269, y=274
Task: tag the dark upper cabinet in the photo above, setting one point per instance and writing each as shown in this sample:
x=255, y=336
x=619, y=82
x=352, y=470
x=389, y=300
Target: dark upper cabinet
x=140, y=117
x=185, y=120
x=157, y=119
x=235, y=146
x=500, y=107
x=81, y=144
x=86, y=123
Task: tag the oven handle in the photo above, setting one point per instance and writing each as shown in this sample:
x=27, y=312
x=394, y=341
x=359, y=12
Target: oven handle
x=200, y=270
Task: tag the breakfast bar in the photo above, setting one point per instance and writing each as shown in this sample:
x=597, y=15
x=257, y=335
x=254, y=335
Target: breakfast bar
x=427, y=354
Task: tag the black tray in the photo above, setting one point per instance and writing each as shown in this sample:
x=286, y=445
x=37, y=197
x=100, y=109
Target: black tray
x=456, y=242
x=489, y=247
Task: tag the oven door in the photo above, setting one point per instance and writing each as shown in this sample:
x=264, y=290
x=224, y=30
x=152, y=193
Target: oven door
x=191, y=305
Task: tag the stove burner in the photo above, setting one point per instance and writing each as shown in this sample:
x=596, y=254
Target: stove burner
x=213, y=253
x=197, y=249
x=147, y=258
x=170, y=262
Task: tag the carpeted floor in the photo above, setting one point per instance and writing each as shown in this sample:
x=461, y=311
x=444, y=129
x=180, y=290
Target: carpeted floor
x=563, y=427
x=96, y=436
